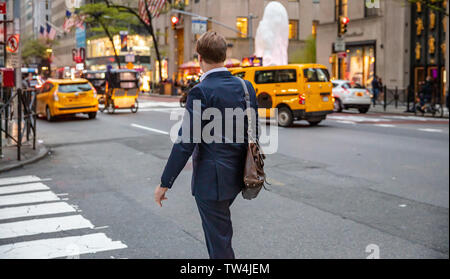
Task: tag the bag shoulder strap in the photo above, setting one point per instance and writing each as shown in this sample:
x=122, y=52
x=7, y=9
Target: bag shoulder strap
x=249, y=111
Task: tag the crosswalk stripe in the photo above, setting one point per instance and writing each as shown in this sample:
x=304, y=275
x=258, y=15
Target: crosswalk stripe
x=22, y=188
x=47, y=225
x=19, y=179
x=28, y=198
x=35, y=210
x=18, y=200
x=60, y=247
x=431, y=130
x=385, y=125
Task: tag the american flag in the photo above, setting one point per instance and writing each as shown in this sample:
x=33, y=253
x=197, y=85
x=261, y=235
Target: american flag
x=154, y=7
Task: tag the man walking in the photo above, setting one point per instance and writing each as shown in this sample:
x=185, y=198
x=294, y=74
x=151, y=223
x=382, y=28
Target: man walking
x=375, y=90
x=218, y=167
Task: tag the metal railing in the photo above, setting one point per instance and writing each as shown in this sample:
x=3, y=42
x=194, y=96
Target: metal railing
x=17, y=119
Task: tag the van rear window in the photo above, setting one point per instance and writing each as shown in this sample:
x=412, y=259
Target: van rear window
x=316, y=75
x=74, y=87
x=276, y=76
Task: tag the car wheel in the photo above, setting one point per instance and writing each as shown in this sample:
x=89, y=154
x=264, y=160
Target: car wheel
x=337, y=105
x=111, y=108
x=48, y=115
x=136, y=107
x=92, y=115
x=285, y=117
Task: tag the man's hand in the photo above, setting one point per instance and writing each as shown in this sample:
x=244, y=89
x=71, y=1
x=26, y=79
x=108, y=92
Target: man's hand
x=160, y=194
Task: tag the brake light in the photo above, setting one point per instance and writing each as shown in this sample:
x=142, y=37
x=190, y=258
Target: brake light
x=302, y=99
x=55, y=96
x=95, y=92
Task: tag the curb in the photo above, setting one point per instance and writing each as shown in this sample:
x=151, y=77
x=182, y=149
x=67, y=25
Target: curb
x=43, y=152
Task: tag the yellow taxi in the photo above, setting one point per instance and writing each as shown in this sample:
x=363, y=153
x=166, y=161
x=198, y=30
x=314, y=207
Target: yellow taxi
x=298, y=91
x=66, y=96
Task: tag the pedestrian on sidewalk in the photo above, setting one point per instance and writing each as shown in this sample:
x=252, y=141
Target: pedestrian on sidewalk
x=218, y=167
x=375, y=90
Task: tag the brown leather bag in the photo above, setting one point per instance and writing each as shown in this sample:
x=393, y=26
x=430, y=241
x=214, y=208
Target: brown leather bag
x=254, y=176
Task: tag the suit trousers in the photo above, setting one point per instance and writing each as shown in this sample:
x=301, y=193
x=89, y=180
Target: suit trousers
x=216, y=222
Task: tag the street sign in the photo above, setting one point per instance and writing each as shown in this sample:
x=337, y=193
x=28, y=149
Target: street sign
x=2, y=8
x=339, y=45
x=13, y=61
x=199, y=25
x=342, y=55
x=12, y=44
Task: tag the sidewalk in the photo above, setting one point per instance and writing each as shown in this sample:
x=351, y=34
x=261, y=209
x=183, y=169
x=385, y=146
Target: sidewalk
x=9, y=159
x=400, y=110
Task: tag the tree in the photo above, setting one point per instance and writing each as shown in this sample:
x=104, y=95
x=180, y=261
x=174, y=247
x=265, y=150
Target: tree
x=100, y=18
x=130, y=7
x=36, y=51
x=306, y=54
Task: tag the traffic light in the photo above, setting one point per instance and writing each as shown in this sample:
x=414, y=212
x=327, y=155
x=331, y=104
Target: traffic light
x=174, y=20
x=343, y=22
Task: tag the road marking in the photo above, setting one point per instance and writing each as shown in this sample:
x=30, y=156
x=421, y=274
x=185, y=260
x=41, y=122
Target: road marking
x=159, y=104
x=356, y=118
x=35, y=210
x=165, y=110
x=346, y=122
x=18, y=180
x=48, y=225
x=22, y=188
x=28, y=198
x=40, y=223
x=150, y=129
x=60, y=247
x=431, y=130
x=385, y=125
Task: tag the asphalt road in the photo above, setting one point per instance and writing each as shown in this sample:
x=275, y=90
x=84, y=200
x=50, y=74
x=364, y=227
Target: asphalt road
x=356, y=186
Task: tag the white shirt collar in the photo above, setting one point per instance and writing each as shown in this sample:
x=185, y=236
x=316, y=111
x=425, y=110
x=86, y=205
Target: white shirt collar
x=215, y=70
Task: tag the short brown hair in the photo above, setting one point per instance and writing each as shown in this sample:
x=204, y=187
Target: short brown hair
x=212, y=47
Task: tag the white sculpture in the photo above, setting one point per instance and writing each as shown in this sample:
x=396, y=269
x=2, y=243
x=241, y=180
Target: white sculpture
x=272, y=36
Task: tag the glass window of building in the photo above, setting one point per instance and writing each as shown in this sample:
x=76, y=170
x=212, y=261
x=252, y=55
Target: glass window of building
x=360, y=64
x=293, y=29
x=344, y=5
x=242, y=26
x=370, y=11
x=315, y=23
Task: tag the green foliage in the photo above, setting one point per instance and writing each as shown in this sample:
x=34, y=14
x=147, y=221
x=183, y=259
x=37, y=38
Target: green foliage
x=306, y=54
x=99, y=16
x=34, y=49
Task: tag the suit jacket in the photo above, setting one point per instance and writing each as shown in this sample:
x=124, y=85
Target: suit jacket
x=218, y=167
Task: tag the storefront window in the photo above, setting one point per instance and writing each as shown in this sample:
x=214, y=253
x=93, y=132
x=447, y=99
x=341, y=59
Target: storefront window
x=360, y=65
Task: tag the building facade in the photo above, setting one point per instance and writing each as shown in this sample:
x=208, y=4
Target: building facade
x=177, y=42
x=65, y=42
x=35, y=13
x=381, y=41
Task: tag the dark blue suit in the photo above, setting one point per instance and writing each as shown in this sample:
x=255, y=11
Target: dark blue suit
x=218, y=167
